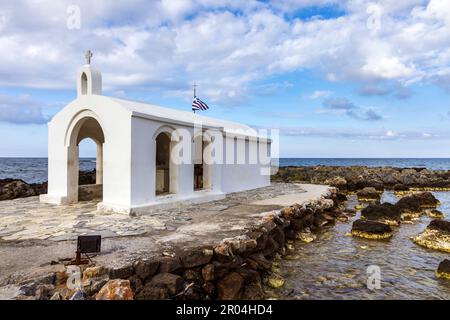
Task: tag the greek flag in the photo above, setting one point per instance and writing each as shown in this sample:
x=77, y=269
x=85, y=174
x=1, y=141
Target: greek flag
x=198, y=104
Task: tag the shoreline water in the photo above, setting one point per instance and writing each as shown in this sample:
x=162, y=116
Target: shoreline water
x=34, y=170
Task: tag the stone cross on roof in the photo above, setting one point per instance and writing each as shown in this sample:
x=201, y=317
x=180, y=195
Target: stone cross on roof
x=88, y=56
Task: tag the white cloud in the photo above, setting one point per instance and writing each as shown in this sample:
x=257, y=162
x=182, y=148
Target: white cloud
x=21, y=110
x=320, y=94
x=224, y=46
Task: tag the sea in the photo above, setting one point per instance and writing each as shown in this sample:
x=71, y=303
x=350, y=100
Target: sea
x=34, y=170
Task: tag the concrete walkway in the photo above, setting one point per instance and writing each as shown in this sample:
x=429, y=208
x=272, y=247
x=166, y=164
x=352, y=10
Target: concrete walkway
x=34, y=234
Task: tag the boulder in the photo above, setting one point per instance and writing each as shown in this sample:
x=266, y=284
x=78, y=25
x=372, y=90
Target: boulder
x=443, y=270
x=120, y=272
x=230, y=287
x=385, y=213
x=12, y=189
x=412, y=206
x=195, y=258
x=162, y=286
x=145, y=268
x=371, y=229
x=435, y=214
x=208, y=272
x=337, y=181
x=306, y=235
x=79, y=295
x=170, y=265
x=116, y=289
x=368, y=194
x=275, y=281
x=436, y=236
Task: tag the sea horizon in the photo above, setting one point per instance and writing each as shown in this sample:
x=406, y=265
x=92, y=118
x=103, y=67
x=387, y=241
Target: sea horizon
x=34, y=169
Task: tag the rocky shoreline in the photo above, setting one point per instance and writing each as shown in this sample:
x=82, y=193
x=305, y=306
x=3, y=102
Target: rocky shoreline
x=17, y=188
x=356, y=178
x=242, y=267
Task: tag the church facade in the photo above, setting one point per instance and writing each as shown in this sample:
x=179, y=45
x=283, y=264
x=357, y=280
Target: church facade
x=149, y=156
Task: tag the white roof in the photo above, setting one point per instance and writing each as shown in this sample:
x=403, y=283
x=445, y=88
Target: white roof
x=152, y=111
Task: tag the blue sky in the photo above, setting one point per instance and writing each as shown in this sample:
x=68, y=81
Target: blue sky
x=337, y=78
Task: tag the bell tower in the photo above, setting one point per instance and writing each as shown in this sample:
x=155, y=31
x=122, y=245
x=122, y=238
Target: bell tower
x=89, y=80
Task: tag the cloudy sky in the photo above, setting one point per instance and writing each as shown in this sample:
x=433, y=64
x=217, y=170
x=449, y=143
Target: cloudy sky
x=338, y=78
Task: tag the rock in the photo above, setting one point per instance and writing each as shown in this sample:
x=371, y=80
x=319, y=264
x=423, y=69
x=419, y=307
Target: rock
x=121, y=272
x=208, y=272
x=145, y=269
x=80, y=294
x=44, y=291
x=411, y=206
x=306, y=236
x=94, y=272
x=194, y=258
x=275, y=281
x=338, y=182
x=443, y=270
x=253, y=291
x=162, y=286
x=12, y=189
x=192, y=275
x=368, y=194
x=435, y=214
x=230, y=287
x=385, y=213
x=56, y=296
x=436, y=236
x=136, y=284
x=116, y=289
x=259, y=261
x=170, y=265
x=371, y=229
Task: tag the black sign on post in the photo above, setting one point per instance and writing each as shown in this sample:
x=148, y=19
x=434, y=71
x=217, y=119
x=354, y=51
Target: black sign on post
x=89, y=244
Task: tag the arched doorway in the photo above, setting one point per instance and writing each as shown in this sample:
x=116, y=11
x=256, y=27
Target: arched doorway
x=162, y=163
x=85, y=186
x=202, y=162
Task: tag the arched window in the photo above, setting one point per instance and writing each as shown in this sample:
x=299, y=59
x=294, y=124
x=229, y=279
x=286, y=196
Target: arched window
x=84, y=83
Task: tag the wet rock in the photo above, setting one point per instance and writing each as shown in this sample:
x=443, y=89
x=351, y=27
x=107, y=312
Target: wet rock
x=443, y=270
x=230, y=287
x=146, y=268
x=385, y=213
x=306, y=236
x=116, y=289
x=275, y=281
x=253, y=291
x=412, y=206
x=435, y=214
x=436, y=236
x=371, y=229
x=259, y=261
x=368, y=194
x=198, y=257
x=162, y=286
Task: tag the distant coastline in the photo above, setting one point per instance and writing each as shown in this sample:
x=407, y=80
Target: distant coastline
x=34, y=170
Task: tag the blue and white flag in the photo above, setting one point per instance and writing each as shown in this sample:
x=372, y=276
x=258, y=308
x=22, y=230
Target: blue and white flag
x=198, y=104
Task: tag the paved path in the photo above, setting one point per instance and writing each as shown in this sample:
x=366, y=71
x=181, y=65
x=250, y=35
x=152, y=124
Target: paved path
x=34, y=234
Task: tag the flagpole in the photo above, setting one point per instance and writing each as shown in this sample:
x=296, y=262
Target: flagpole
x=194, y=86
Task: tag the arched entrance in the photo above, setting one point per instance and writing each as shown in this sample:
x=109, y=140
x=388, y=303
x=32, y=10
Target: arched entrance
x=166, y=168
x=86, y=186
x=202, y=162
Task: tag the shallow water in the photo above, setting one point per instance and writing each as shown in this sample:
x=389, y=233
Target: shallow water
x=334, y=266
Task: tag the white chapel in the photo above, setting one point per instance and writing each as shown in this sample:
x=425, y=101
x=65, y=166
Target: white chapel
x=149, y=156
